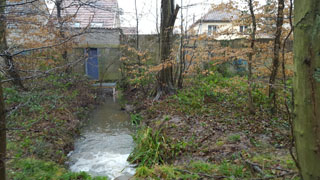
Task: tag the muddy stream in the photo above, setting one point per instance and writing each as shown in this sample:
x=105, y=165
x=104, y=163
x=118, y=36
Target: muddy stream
x=105, y=143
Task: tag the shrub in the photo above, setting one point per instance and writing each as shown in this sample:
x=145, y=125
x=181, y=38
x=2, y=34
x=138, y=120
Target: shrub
x=153, y=148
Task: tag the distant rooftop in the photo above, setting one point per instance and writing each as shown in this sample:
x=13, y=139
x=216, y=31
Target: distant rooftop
x=97, y=13
x=129, y=30
x=220, y=16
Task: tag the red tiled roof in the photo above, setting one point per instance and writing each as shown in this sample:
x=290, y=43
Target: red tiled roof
x=99, y=13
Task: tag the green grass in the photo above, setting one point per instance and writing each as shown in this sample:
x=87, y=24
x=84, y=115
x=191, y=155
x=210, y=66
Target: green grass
x=136, y=119
x=234, y=138
x=33, y=169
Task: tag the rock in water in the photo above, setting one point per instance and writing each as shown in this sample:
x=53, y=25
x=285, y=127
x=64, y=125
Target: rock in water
x=124, y=177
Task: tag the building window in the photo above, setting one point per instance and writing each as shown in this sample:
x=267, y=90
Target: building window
x=243, y=28
x=212, y=29
x=77, y=24
x=96, y=24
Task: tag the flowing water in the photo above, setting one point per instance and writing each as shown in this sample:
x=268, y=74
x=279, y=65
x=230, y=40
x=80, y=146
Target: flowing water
x=105, y=143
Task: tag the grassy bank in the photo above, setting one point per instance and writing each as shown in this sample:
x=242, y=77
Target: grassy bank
x=205, y=131
x=42, y=125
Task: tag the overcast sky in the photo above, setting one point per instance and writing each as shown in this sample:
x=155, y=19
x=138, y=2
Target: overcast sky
x=147, y=12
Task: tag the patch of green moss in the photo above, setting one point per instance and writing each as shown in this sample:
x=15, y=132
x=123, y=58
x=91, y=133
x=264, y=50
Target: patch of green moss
x=33, y=169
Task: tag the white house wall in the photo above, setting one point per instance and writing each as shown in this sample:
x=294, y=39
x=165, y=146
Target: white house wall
x=202, y=28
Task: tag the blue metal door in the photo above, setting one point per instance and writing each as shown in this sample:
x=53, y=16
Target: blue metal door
x=92, y=65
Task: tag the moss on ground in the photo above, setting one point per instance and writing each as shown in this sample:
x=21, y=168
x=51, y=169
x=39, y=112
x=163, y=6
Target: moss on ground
x=33, y=169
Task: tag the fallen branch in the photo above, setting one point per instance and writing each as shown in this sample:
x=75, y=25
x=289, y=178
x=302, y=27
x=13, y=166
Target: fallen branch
x=15, y=108
x=255, y=167
x=211, y=176
x=274, y=177
x=259, y=166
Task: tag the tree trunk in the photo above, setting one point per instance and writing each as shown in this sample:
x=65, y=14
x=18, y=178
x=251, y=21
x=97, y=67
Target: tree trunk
x=59, y=7
x=12, y=71
x=307, y=86
x=276, y=52
x=3, y=138
x=2, y=112
x=8, y=59
x=168, y=17
x=181, y=69
x=137, y=24
x=252, y=44
x=137, y=33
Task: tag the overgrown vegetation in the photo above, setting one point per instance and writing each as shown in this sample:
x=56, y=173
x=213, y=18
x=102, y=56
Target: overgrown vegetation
x=42, y=125
x=211, y=121
x=201, y=113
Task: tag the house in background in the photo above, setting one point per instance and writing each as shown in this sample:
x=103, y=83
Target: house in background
x=101, y=40
x=223, y=26
x=217, y=21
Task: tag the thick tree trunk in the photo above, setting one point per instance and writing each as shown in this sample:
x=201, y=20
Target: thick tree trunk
x=307, y=86
x=252, y=44
x=3, y=138
x=168, y=17
x=2, y=112
x=276, y=52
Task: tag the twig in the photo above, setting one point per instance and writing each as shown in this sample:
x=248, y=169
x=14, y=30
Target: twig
x=19, y=4
x=6, y=53
x=15, y=108
x=45, y=73
x=258, y=167
x=207, y=137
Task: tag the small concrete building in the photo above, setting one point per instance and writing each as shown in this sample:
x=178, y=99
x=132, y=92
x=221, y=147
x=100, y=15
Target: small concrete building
x=99, y=24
